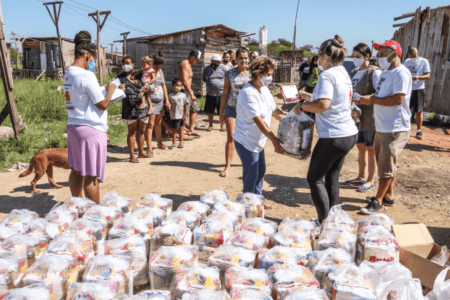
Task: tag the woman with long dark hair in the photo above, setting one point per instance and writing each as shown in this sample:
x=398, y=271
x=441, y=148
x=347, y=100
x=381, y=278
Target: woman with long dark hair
x=314, y=73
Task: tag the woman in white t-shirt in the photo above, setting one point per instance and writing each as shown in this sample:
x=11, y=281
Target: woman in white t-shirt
x=88, y=120
x=331, y=102
x=254, y=111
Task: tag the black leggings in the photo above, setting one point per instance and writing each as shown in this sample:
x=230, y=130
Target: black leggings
x=326, y=162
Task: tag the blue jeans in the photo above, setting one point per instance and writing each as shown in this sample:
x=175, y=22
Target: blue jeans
x=254, y=169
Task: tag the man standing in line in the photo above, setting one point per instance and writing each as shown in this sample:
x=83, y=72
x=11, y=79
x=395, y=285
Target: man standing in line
x=420, y=71
x=185, y=74
x=392, y=120
x=304, y=73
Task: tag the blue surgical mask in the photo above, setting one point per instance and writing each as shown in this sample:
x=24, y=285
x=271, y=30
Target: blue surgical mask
x=92, y=65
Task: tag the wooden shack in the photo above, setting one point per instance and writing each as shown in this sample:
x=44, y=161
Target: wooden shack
x=176, y=46
x=428, y=31
x=283, y=72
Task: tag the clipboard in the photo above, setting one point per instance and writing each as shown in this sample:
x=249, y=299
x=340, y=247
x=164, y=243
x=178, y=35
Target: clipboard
x=118, y=94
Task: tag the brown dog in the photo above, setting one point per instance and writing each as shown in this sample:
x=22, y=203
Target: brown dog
x=43, y=162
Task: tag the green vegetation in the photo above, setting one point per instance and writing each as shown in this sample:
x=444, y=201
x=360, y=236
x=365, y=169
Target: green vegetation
x=275, y=47
x=13, y=53
x=431, y=116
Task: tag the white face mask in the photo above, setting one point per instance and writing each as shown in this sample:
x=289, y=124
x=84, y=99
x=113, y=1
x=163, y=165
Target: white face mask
x=319, y=65
x=266, y=80
x=127, y=68
x=384, y=62
x=415, y=59
x=358, y=62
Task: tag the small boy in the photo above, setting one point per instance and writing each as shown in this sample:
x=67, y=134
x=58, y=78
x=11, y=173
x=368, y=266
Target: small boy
x=179, y=107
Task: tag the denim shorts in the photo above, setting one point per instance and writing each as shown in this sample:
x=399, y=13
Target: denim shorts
x=367, y=138
x=229, y=112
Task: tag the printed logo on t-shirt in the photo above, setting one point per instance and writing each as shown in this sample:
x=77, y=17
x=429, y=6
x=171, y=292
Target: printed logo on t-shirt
x=380, y=82
x=355, y=81
x=306, y=70
x=412, y=69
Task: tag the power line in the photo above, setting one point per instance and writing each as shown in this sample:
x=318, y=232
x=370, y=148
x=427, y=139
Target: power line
x=84, y=5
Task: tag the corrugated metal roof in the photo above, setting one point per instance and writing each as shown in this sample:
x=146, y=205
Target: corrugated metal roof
x=43, y=39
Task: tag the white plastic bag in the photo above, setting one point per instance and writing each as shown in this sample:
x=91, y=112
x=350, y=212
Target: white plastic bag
x=375, y=220
x=279, y=254
x=441, y=287
x=228, y=256
x=339, y=219
x=253, y=203
x=147, y=214
x=248, y=240
x=224, y=215
x=42, y=228
x=234, y=207
x=442, y=257
x=213, y=197
x=338, y=238
x=170, y=234
x=6, y=232
x=302, y=226
x=12, y=269
x=249, y=294
x=260, y=226
x=403, y=289
x=207, y=295
x=129, y=226
x=292, y=239
x=195, y=207
x=211, y=235
x=76, y=246
x=61, y=217
x=38, y=291
x=156, y=201
x=294, y=278
x=310, y=294
x=18, y=218
x=152, y=295
x=322, y=262
x=103, y=214
x=195, y=278
x=113, y=199
x=185, y=218
x=377, y=244
x=99, y=291
x=244, y=278
x=78, y=205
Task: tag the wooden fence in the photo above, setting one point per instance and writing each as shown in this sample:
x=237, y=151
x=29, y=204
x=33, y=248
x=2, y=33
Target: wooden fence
x=428, y=31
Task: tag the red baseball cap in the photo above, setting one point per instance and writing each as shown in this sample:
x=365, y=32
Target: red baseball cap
x=391, y=44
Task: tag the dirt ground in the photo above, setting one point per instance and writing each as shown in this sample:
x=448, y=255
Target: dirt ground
x=422, y=190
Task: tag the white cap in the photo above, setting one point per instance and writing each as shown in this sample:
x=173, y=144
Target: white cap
x=216, y=57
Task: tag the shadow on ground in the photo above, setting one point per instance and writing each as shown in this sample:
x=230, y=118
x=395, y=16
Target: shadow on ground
x=191, y=165
x=422, y=147
x=43, y=186
x=178, y=199
x=40, y=203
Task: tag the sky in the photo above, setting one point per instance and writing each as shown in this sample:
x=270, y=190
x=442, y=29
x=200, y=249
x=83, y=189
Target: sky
x=319, y=20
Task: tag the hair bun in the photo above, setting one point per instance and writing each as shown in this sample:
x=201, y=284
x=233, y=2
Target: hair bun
x=338, y=41
x=82, y=37
x=160, y=54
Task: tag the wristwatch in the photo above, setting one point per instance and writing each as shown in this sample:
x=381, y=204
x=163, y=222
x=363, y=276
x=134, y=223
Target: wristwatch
x=301, y=104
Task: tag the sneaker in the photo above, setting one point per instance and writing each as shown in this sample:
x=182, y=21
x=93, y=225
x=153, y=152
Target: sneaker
x=318, y=227
x=372, y=207
x=386, y=202
x=419, y=135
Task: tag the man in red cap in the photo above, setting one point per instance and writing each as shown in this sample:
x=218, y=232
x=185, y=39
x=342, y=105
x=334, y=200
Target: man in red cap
x=392, y=120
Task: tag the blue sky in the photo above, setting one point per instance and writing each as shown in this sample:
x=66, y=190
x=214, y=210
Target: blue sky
x=318, y=20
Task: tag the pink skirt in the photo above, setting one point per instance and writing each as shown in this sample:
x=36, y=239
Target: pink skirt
x=87, y=150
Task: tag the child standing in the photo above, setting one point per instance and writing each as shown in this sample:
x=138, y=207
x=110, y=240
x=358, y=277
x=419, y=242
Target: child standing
x=179, y=107
x=148, y=78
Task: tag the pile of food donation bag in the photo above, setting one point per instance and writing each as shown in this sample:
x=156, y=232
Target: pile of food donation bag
x=214, y=248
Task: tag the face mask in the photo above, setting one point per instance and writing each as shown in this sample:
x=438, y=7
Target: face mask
x=91, y=65
x=358, y=62
x=266, y=80
x=384, y=63
x=319, y=65
x=415, y=59
x=214, y=66
x=177, y=89
x=127, y=68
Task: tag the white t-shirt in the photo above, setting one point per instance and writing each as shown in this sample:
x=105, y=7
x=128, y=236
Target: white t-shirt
x=336, y=121
x=418, y=68
x=394, y=118
x=177, y=102
x=251, y=104
x=359, y=74
x=82, y=91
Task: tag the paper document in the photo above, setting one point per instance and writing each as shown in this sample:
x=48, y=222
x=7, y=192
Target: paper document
x=118, y=94
x=290, y=93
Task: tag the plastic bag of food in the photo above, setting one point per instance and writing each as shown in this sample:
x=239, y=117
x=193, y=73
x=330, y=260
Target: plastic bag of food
x=224, y=215
x=35, y=245
x=166, y=261
x=42, y=228
x=104, y=214
x=211, y=235
x=249, y=294
x=195, y=278
x=213, y=197
x=339, y=219
x=6, y=232
x=112, y=199
x=156, y=201
x=240, y=277
x=102, y=290
x=185, y=218
x=76, y=246
x=377, y=244
x=279, y=254
x=375, y=220
x=197, y=207
x=296, y=132
x=275, y=267
x=253, y=203
x=338, y=238
x=228, y=256
x=382, y=273
x=248, y=240
x=18, y=218
x=78, y=205
x=442, y=257
x=38, y=291
x=11, y=270
x=152, y=295
x=294, y=278
x=133, y=246
x=156, y=215
x=103, y=268
x=95, y=231
x=129, y=226
x=348, y=282
x=441, y=288
x=61, y=217
x=310, y=294
x=207, y=295
x=292, y=239
x=233, y=207
x=170, y=234
x=302, y=226
x=403, y=289
x=263, y=227
x=322, y=262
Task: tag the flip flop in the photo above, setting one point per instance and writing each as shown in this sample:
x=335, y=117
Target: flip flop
x=134, y=160
x=180, y=146
x=222, y=129
x=223, y=174
x=209, y=128
x=363, y=188
x=194, y=134
x=162, y=147
x=355, y=181
x=150, y=155
x=145, y=156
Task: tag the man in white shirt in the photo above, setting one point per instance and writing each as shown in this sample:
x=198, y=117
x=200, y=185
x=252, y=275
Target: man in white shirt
x=392, y=120
x=420, y=71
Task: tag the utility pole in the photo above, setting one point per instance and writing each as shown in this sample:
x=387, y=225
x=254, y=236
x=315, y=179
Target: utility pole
x=117, y=58
x=8, y=84
x=112, y=53
x=125, y=34
x=20, y=38
x=293, y=45
x=96, y=17
x=17, y=49
x=55, y=19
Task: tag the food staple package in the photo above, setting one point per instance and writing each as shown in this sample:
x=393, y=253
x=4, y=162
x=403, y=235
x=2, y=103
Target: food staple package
x=348, y=282
x=170, y=234
x=442, y=258
x=133, y=246
x=104, y=214
x=96, y=231
x=195, y=278
x=103, y=268
x=253, y=203
x=382, y=273
x=185, y=218
x=38, y=291
x=403, y=289
x=104, y=290
x=112, y=199
x=248, y=240
x=375, y=220
x=197, y=207
x=211, y=235
x=156, y=201
x=212, y=197
x=11, y=271
x=339, y=219
x=310, y=294
x=151, y=295
x=61, y=217
x=35, y=245
x=233, y=207
x=377, y=244
x=322, y=262
x=338, y=238
x=249, y=294
x=240, y=277
x=148, y=213
x=224, y=215
x=260, y=226
x=227, y=256
x=18, y=218
x=78, y=205
x=293, y=239
x=207, y=295
x=302, y=226
x=296, y=132
x=6, y=232
x=129, y=226
x=77, y=246
x=279, y=254
x=42, y=228
x=294, y=278
x=169, y=260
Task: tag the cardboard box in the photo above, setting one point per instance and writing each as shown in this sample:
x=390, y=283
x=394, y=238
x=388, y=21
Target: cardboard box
x=417, y=247
x=290, y=94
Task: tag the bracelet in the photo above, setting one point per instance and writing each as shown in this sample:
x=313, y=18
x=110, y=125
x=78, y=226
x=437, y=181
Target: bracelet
x=301, y=104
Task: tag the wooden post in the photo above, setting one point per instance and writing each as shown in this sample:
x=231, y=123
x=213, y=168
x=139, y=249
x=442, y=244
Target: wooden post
x=124, y=34
x=117, y=58
x=55, y=19
x=112, y=52
x=17, y=49
x=8, y=81
x=96, y=17
x=291, y=73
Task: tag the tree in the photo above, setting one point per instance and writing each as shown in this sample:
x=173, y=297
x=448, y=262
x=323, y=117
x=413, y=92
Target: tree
x=308, y=47
x=14, y=57
x=252, y=42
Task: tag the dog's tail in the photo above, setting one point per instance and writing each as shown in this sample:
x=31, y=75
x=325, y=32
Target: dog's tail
x=27, y=172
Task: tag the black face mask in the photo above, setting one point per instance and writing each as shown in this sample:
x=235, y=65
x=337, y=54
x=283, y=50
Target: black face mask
x=214, y=66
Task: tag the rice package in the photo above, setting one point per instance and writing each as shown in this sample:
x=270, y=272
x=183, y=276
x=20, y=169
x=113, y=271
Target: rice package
x=233, y=207
x=103, y=268
x=103, y=290
x=339, y=219
x=338, y=238
x=42, y=228
x=104, y=214
x=207, y=295
x=6, y=232
x=156, y=215
x=129, y=226
x=156, y=201
x=18, y=218
x=310, y=294
x=61, y=217
x=253, y=203
x=294, y=278
x=195, y=278
x=241, y=277
x=185, y=218
x=377, y=244
x=78, y=205
x=213, y=197
x=375, y=220
x=75, y=246
x=293, y=239
x=322, y=262
x=224, y=215
x=197, y=207
x=170, y=234
x=167, y=261
x=348, y=282
x=260, y=226
x=249, y=294
x=296, y=132
x=229, y=256
x=38, y=291
x=11, y=270
x=403, y=289
x=248, y=240
x=302, y=226
x=113, y=199
x=281, y=255
x=35, y=246
x=133, y=246
x=152, y=295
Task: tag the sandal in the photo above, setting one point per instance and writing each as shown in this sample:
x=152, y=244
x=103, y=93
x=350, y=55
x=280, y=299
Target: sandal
x=142, y=106
x=210, y=128
x=194, y=134
x=223, y=174
x=145, y=156
x=172, y=147
x=134, y=160
x=363, y=188
x=222, y=129
x=180, y=146
x=150, y=155
x=162, y=147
